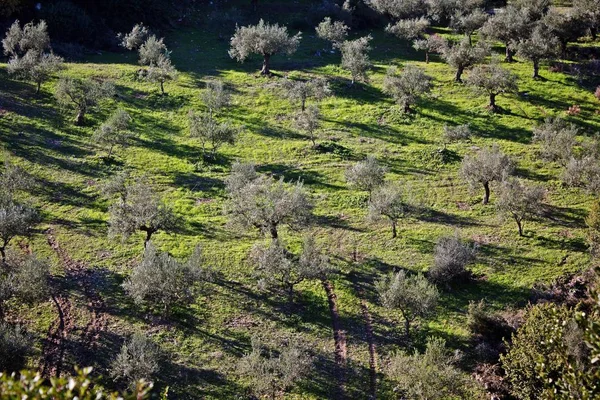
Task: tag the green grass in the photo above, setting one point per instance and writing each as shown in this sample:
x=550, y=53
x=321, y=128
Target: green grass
x=206, y=341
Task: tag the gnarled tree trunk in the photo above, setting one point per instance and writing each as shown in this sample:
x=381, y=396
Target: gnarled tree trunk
x=486, y=196
x=266, y=65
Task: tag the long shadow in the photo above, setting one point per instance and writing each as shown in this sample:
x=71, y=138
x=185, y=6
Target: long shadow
x=293, y=174
x=382, y=132
x=426, y=214
x=195, y=183
x=565, y=216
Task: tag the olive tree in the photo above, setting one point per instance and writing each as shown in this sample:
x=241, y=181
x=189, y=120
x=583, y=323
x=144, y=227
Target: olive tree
x=273, y=372
x=15, y=346
x=152, y=50
x=407, y=86
x=115, y=131
x=469, y=22
x=298, y=91
x=463, y=55
x=140, y=208
x=82, y=94
x=399, y=9
x=533, y=9
x=492, y=80
x=509, y=25
x=265, y=203
x=409, y=29
x=161, y=72
x=519, y=201
x=332, y=31
x=215, y=96
x=15, y=220
x=583, y=172
x=590, y=10
x=432, y=44
x=24, y=278
x=366, y=175
x=134, y=39
x=540, y=45
x=457, y=133
x=387, y=202
x=556, y=138
x=355, y=57
x=565, y=26
x=263, y=39
x=161, y=282
x=27, y=50
x=412, y=295
x=451, y=256
x=486, y=166
x=139, y=358
x=207, y=130
x=308, y=122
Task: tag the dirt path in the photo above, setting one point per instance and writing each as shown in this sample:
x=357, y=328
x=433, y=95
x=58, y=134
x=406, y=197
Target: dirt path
x=79, y=273
x=339, y=337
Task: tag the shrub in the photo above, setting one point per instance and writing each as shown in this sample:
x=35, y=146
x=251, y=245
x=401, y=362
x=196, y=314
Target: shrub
x=355, y=58
x=520, y=202
x=406, y=87
x=556, y=138
x=451, y=257
x=15, y=346
x=366, y=175
x=138, y=359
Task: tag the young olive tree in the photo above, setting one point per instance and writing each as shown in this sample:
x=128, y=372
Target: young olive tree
x=215, y=96
x=519, y=201
x=469, y=22
x=161, y=282
x=139, y=358
x=15, y=220
x=332, y=31
x=140, y=208
x=509, y=25
x=432, y=44
x=409, y=29
x=451, y=256
x=308, y=122
x=541, y=45
x=115, y=131
x=161, y=72
x=366, y=175
x=407, y=86
x=152, y=50
x=583, y=172
x=265, y=203
x=24, y=278
x=492, y=80
x=134, y=39
x=273, y=372
x=355, y=57
x=488, y=165
x=387, y=202
x=557, y=139
x=263, y=39
x=456, y=133
x=207, y=130
x=463, y=55
x=412, y=295
x=300, y=91
x=82, y=95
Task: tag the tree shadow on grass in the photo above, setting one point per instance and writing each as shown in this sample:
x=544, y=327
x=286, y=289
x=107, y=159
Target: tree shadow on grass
x=196, y=183
x=565, y=216
x=292, y=174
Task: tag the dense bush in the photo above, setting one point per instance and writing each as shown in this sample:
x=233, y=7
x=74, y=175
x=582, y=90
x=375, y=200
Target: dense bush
x=14, y=348
x=451, y=257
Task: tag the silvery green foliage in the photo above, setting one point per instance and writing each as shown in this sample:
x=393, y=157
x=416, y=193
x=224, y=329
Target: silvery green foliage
x=14, y=179
x=457, y=133
x=583, y=172
x=151, y=50
x=486, y=166
x=313, y=263
x=355, y=57
x=161, y=71
x=388, y=202
x=15, y=220
x=463, y=55
x=540, y=45
x=366, y=175
x=509, y=25
x=409, y=29
x=275, y=371
x=590, y=10
x=207, y=130
x=161, y=282
x=134, y=39
x=82, y=94
x=265, y=203
x=533, y=9
x=412, y=295
x=519, y=201
x=451, y=257
x=432, y=44
x=139, y=358
x=567, y=26
x=407, y=86
x=241, y=175
x=263, y=39
x=468, y=23
x=115, y=131
x=15, y=346
x=35, y=67
x=140, y=208
x=557, y=139
x=492, y=80
x=215, y=97
x=31, y=38
x=332, y=31
x=308, y=122
x=399, y=9
x=299, y=92
x=29, y=276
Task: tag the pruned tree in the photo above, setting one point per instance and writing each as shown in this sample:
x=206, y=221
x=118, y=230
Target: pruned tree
x=263, y=39
x=161, y=282
x=134, y=39
x=140, y=208
x=366, y=175
x=152, y=50
x=407, y=86
x=519, y=201
x=409, y=29
x=486, y=166
x=300, y=91
x=557, y=139
x=82, y=95
x=207, y=130
x=332, y=31
x=468, y=23
x=541, y=45
x=15, y=220
x=274, y=372
x=463, y=55
x=509, y=25
x=451, y=256
x=432, y=375
x=492, y=80
x=387, y=202
x=412, y=295
x=265, y=203
x=308, y=122
x=566, y=26
x=432, y=44
x=115, y=131
x=161, y=72
x=27, y=48
x=215, y=96
x=355, y=57
x=139, y=358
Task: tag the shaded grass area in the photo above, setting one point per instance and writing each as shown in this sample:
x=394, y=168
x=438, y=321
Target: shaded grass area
x=205, y=342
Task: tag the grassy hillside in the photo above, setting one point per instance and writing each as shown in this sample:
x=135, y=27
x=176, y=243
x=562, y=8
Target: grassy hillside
x=205, y=343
